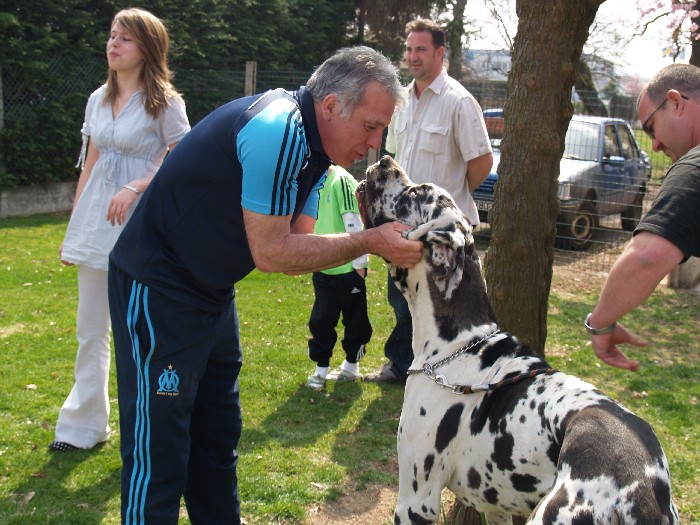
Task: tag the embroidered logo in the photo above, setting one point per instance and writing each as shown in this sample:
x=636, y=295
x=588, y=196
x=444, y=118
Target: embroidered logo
x=168, y=382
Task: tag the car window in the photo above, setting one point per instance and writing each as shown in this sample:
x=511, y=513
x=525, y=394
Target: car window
x=581, y=142
x=629, y=149
x=611, y=148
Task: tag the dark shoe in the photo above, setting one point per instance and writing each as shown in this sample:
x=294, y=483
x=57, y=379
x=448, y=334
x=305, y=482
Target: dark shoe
x=385, y=374
x=59, y=446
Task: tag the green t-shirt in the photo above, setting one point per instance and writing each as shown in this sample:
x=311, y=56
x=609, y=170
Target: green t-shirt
x=337, y=197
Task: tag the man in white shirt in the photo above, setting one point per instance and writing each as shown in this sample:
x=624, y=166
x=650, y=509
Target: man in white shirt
x=440, y=137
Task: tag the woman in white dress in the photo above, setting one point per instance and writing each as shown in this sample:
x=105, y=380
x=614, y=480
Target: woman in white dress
x=130, y=124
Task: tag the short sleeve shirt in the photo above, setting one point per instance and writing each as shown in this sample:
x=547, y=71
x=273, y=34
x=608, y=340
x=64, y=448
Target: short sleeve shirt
x=337, y=198
x=675, y=212
x=131, y=146
x=187, y=239
x=435, y=136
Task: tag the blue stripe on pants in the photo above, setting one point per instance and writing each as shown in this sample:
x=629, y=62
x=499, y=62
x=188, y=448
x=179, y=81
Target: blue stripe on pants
x=141, y=472
x=179, y=406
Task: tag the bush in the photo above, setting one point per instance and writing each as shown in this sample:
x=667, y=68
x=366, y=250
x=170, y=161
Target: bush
x=43, y=147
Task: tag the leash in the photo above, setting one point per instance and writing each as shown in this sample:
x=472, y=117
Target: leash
x=429, y=370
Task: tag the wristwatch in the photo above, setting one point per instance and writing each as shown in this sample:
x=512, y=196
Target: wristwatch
x=598, y=331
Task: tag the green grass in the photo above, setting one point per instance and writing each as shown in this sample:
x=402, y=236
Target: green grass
x=299, y=448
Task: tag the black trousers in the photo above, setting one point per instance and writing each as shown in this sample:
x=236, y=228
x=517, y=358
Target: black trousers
x=344, y=294
x=179, y=406
x=399, y=345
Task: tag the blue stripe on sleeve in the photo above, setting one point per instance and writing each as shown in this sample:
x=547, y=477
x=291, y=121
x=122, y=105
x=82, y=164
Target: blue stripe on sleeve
x=271, y=149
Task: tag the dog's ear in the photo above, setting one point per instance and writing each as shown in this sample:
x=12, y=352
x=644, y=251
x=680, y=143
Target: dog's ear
x=447, y=257
x=445, y=243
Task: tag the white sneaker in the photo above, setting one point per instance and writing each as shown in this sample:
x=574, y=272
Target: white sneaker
x=342, y=376
x=316, y=382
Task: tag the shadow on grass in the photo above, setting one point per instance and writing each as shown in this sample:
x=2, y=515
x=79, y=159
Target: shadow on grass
x=375, y=436
x=305, y=417
x=60, y=493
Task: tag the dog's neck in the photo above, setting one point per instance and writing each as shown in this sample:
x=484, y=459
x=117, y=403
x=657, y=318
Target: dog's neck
x=441, y=326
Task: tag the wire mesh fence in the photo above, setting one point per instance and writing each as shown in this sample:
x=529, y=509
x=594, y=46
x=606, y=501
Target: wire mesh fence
x=608, y=173
x=604, y=180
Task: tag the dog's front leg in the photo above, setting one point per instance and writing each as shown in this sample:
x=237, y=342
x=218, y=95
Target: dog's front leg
x=416, y=508
x=421, y=476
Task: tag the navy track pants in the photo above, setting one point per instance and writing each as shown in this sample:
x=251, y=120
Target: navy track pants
x=179, y=406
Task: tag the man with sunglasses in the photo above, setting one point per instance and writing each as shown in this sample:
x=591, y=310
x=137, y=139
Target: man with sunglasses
x=669, y=233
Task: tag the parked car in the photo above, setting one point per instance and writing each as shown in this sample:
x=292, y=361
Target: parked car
x=603, y=172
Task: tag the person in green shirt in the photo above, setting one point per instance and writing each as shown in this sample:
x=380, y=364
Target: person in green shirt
x=339, y=290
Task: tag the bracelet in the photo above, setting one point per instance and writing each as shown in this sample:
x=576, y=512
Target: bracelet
x=128, y=187
x=598, y=331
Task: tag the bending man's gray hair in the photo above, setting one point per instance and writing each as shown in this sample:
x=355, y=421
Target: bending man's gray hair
x=684, y=78
x=347, y=74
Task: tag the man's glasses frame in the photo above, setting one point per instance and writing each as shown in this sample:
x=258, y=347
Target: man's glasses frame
x=649, y=130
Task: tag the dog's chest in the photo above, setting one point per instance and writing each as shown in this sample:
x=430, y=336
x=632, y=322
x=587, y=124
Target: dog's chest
x=484, y=444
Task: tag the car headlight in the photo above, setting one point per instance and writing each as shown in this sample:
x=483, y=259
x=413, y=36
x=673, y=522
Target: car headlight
x=564, y=191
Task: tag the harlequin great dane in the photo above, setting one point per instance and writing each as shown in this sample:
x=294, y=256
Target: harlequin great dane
x=487, y=417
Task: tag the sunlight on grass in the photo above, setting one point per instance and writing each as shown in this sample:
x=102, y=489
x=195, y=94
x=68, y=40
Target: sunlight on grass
x=299, y=449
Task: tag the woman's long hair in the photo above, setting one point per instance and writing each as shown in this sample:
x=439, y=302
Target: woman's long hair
x=151, y=36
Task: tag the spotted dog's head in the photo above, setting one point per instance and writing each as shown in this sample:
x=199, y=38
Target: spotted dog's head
x=387, y=194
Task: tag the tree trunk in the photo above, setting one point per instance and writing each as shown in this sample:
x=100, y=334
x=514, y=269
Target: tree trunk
x=455, y=31
x=537, y=110
x=695, y=46
x=361, y=21
x=463, y=515
x=587, y=92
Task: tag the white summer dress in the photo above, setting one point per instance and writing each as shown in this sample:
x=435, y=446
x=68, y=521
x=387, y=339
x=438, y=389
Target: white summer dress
x=131, y=146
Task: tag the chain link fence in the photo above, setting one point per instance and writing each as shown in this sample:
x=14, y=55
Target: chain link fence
x=42, y=118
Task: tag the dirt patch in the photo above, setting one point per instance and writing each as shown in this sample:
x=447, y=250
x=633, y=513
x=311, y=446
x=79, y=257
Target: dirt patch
x=371, y=506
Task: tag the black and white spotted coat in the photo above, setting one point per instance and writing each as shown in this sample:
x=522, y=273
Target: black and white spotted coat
x=551, y=447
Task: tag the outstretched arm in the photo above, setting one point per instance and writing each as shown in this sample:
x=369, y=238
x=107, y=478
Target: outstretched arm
x=275, y=248
x=634, y=276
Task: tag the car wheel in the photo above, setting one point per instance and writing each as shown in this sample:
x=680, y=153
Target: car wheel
x=632, y=215
x=578, y=234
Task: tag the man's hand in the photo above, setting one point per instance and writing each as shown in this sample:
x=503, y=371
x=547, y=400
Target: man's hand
x=606, y=348
x=392, y=246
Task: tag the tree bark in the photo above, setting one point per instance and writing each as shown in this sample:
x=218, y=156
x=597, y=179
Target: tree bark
x=455, y=31
x=361, y=21
x=587, y=92
x=695, y=46
x=537, y=110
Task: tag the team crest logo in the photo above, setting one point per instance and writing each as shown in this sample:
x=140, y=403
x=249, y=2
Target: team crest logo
x=168, y=382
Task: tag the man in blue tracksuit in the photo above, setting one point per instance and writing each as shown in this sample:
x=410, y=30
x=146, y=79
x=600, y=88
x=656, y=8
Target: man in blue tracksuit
x=240, y=191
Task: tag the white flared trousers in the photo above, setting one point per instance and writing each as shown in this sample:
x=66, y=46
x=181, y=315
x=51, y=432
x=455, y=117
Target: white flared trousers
x=83, y=419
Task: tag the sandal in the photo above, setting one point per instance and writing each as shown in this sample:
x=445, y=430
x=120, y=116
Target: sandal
x=59, y=446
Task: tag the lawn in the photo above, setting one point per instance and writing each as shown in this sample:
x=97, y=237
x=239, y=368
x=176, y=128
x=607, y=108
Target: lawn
x=303, y=454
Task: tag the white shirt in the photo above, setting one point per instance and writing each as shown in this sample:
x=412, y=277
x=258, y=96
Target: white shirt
x=435, y=136
x=131, y=146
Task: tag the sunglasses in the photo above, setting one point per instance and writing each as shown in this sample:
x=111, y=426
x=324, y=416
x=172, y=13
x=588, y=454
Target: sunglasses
x=649, y=130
